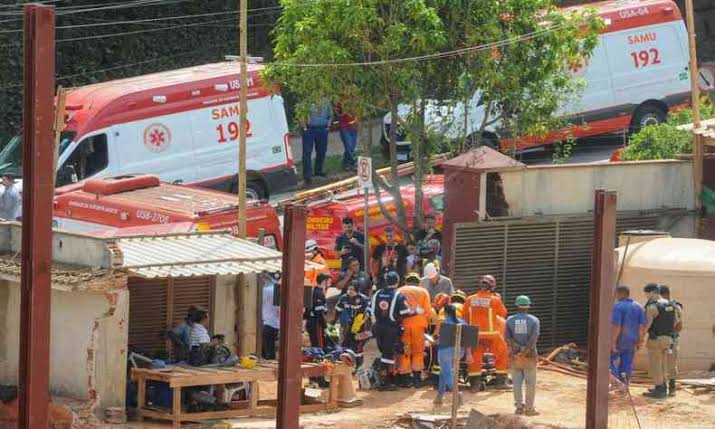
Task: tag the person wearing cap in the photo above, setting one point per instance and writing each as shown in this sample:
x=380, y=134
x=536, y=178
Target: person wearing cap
x=390, y=255
x=521, y=335
x=436, y=283
x=628, y=322
x=388, y=308
x=672, y=356
x=414, y=326
x=661, y=321
x=482, y=310
x=314, y=255
x=350, y=243
x=10, y=201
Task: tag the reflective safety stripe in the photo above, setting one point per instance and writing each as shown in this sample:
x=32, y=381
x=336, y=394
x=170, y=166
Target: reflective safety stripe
x=392, y=306
x=491, y=320
x=475, y=374
x=390, y=361
x=319, y=308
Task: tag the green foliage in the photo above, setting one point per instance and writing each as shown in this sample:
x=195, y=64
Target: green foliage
x=665, y=141
x=207, y=39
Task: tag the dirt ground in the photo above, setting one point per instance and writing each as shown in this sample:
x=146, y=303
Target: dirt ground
x=560, y=398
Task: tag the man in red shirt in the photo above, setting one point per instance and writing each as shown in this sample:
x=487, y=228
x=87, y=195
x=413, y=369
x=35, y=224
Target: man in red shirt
x=348, y=134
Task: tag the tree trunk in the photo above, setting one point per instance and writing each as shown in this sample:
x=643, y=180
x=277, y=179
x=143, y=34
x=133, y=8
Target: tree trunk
x=418, y=141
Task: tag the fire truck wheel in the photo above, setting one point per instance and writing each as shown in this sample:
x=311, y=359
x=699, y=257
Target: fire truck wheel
x=647, y=114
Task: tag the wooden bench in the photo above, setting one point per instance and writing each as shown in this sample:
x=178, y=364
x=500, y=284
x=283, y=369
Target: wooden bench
x=178, y=377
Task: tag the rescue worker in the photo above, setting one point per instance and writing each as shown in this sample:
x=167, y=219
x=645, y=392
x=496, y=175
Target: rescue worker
x=522, y=333
x=413, y=336
x=388, y=308
x=313, y=254
x=662, y=319
x=482, y=310
x=673, y=354
x=628, y=323
x=315, y=320
x=352, y=313
x=437, y=316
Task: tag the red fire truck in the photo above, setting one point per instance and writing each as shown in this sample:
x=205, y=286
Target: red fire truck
x=124, y=203
x=324, y=222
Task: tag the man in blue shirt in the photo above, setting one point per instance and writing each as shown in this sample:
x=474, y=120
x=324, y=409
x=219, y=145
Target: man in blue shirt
x=521, y=334
x=315, y=134
x=628, y=325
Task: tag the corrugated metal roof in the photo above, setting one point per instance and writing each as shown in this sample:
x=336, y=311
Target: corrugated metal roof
x=186, y=255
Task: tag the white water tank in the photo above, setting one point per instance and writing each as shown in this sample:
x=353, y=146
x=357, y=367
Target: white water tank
x=687, y=266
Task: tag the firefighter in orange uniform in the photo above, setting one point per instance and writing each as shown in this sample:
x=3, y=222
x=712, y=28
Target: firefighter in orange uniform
x=484, y=309
x=312, y=254
x=413, y=335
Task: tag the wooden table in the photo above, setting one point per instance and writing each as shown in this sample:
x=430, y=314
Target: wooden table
x=178, y=377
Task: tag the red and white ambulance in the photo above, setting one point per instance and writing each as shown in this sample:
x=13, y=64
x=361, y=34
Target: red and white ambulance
x=123, y=205
x=181, y=125
x=635, y=76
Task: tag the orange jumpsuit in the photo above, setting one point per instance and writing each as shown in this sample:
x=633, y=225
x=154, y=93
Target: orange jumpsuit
x=413, y=336
x=311, y=276
x=487, y=311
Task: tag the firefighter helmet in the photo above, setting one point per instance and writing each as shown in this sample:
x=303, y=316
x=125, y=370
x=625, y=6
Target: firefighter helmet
x=412, y=279
x=441, y=300
x=458, y=296
x=488, y=282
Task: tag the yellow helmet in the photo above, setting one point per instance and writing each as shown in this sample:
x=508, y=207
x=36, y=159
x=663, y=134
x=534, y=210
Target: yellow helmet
x=459, y=296
x=248, y=362
x=412, y=278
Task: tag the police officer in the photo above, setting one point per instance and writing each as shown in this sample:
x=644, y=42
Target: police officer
x=673, y=353
x=661, y=324
x=389, y=307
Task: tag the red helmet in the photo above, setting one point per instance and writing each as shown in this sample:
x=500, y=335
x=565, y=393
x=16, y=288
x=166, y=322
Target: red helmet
x=440, y=300
x=488, y=282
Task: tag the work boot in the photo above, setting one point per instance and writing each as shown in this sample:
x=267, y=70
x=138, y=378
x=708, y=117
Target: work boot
x=660, y=392
x=531, y=412
x=417, y=379
x=405, y=381
x=475, y=384
x=519, y=410
x=671, y=387
x=438, y=400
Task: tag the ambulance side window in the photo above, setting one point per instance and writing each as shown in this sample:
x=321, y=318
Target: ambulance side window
x=88, y=158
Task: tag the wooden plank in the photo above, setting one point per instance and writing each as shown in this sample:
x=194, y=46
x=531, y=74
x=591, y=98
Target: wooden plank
x=141, y=396
x=176, y=407
x=207, y=379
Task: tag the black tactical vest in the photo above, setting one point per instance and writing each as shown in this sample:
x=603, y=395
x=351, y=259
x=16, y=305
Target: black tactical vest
x=664, y=322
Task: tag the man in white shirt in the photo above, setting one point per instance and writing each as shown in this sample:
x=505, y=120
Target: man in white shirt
x=10, y=201
x=198, y=334
x=271, y=316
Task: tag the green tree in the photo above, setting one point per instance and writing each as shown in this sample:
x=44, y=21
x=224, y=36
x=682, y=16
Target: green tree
x=433, y=56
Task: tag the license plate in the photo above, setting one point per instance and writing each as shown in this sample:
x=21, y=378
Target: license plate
x=402, y=157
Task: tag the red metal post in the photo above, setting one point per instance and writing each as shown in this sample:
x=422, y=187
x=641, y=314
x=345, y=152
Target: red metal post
x=602, y=287
x=291, y=301
x=38, y=187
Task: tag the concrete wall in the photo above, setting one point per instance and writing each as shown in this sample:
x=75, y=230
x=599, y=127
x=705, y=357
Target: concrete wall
x=88, y=344
x=566, y=189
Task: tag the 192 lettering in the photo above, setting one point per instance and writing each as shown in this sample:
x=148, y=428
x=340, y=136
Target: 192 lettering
x=231, y=131
x=646, y=58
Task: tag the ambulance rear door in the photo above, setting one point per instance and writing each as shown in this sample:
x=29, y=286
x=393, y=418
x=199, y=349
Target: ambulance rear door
x=648, y=63
x=161, y=145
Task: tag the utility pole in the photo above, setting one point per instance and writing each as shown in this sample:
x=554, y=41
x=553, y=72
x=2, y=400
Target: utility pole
x=38, y=176
x=698, y=150
x=243, y=117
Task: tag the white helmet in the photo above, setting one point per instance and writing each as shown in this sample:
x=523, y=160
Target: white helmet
x=311, y=245
x=430, y=271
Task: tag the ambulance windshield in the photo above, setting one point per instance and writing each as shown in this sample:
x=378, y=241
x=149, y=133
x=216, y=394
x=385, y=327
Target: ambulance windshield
x=11, y=154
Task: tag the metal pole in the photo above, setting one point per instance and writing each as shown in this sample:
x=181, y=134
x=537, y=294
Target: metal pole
x=366, y=231
x=38, y=184
x=243, y=117
x=455, y=373
x=698, y=150
x=602, y=286
x=291, y=302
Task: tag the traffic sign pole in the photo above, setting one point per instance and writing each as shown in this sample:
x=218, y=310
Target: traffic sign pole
x=365, y=182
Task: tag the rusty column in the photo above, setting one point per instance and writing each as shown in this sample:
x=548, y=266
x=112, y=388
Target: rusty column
x=599, y=330
x=291, y=301
x=37, y=174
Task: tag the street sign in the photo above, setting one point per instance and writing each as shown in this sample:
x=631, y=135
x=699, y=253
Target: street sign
x=364, y=170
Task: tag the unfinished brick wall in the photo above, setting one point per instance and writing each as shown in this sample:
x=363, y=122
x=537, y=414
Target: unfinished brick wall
x=704, y=24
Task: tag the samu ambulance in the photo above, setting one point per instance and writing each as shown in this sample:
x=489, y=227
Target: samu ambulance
x=181, y=125
x=635, y=76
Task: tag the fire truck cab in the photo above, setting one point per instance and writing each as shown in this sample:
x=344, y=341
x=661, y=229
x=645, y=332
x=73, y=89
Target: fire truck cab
x=127, y=202
x=324, y=221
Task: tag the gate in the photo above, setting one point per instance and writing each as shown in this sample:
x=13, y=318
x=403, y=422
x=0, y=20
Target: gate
x=548, y=259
